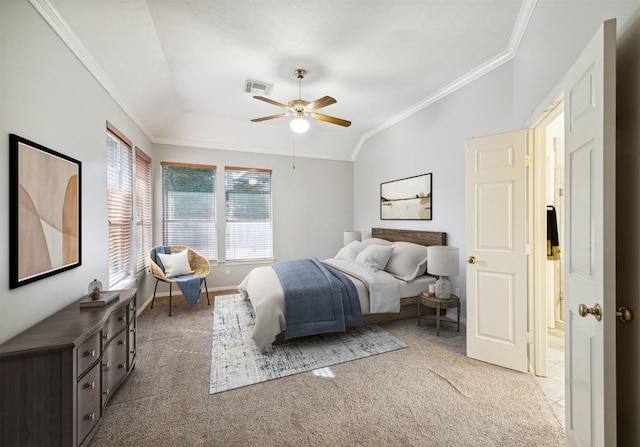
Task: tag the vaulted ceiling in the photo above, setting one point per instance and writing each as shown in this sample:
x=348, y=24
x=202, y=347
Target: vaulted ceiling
x=178, y=67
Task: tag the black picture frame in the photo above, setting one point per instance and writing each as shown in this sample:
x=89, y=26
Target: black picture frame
x=407, y=199
x=44, y=212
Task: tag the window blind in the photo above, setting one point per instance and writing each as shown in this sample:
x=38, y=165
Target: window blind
x=143, y=209
x=249, y=228
x=189, y=207
x=119, y=205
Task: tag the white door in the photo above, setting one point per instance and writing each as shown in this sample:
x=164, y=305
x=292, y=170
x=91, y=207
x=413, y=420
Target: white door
x=496, y=238
x=590, y=261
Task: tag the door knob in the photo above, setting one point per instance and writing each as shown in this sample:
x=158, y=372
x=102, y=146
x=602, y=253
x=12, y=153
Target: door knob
x=472, y=260
x=596, y=311
x=624, y=314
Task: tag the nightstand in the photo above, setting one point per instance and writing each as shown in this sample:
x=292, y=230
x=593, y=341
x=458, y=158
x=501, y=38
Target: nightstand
x=438, y=304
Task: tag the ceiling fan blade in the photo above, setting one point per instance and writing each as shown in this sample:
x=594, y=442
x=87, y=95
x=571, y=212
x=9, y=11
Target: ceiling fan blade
x=271, y=101
x=264, y=118
x=320, y=103
x=331, y=119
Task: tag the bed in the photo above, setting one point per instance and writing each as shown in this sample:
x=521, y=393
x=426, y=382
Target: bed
x=387, y=290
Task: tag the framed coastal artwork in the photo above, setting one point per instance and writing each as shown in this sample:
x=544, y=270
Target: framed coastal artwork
x=406, y=199
x=44, y=212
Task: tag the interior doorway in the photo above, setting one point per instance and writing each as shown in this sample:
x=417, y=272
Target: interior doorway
x=548, y=223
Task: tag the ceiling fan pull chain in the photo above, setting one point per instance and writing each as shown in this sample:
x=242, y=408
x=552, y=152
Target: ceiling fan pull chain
x=293, y=158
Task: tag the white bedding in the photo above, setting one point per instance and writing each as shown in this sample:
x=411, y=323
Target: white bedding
x=378, y=292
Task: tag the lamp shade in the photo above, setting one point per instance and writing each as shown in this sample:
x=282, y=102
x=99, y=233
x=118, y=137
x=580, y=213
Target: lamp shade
x=442, y=260
x=350, y=236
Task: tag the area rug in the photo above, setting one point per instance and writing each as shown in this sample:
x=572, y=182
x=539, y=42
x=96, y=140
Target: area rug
x=236, y=362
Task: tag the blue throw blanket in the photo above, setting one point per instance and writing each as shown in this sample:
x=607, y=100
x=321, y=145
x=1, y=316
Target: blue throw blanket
x=189, y=285
x=318, y=298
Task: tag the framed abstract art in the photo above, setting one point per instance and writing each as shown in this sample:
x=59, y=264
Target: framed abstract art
x=44, y=212
x=406, y=199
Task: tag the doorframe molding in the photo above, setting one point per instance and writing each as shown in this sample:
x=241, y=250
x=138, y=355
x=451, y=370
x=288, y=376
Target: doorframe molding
x=537, y=221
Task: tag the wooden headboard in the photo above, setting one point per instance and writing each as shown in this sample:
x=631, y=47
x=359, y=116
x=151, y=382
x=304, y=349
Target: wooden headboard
x=415, y=236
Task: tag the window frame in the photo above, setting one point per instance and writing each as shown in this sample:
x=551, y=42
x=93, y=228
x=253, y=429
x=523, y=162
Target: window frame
x=211, y=251
x=231, y=247
x=144, y=209
x=119, y=198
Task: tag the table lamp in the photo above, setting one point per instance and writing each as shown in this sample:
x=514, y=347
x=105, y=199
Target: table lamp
x=442, y=261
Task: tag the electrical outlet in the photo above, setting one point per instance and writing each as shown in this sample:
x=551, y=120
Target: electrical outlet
x=456, y=292
x=228, y=270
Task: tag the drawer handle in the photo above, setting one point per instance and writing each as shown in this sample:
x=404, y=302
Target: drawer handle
x=91, y=416
x=106, y=364
x=106, y=336
x=122, y=342
x=133, y=351
x=122, y=365
x=133, y=330
x=106, y=392
x=91, y=385
x=133, y=308
x=91, y=353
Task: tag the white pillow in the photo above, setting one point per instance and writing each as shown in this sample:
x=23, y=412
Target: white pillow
x=350, y=251
x=176, y=265
x=376, y=241
x=374, y=257
x=408, y=261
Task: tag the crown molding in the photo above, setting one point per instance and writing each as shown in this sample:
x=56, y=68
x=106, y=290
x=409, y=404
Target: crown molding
x=57, y=23
x=61, y=28
x=234, y=148
x=519, y=28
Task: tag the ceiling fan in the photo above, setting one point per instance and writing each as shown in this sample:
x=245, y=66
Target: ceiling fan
x=299, y=109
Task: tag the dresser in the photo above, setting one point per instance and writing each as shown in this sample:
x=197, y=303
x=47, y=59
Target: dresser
x=57, y=377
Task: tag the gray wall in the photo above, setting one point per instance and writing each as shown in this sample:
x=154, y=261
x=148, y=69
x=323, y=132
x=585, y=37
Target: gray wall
x=49, y=97
x=433, y=139
x=312, y=204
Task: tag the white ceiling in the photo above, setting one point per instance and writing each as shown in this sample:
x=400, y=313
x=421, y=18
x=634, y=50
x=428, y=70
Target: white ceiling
x=178, y=67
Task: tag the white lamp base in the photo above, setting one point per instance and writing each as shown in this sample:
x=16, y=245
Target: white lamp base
x=443, y=288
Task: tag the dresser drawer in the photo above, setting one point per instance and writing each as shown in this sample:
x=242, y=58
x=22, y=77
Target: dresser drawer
x=87, y=353
x=132, y=309
x=115, y=323
x=88, y=387
x=88, y=417
x=131, y=349
x=112, y=375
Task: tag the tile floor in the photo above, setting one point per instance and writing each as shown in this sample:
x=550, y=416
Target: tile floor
x=553, y=384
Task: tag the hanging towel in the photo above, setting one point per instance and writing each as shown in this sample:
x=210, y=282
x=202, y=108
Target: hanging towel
x=553, y=242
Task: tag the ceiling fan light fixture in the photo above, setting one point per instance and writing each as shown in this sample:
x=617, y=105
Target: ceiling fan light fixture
x=299, y=125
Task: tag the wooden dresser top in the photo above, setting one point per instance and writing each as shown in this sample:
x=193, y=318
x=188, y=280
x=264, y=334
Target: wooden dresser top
x=64, y=329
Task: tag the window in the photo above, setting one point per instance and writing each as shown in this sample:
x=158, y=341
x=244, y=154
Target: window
x=119, y=205
x=143, y=209
x=249, y=229
x=189, y=207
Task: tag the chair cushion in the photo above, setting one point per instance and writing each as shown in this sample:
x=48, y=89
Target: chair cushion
x=176, y=265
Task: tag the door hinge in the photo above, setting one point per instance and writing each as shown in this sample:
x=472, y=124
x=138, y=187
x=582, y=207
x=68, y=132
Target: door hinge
x=529, y=337
x=528, y=160
x=529, y=249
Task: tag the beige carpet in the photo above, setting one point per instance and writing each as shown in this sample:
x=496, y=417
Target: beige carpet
x=428, y=394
